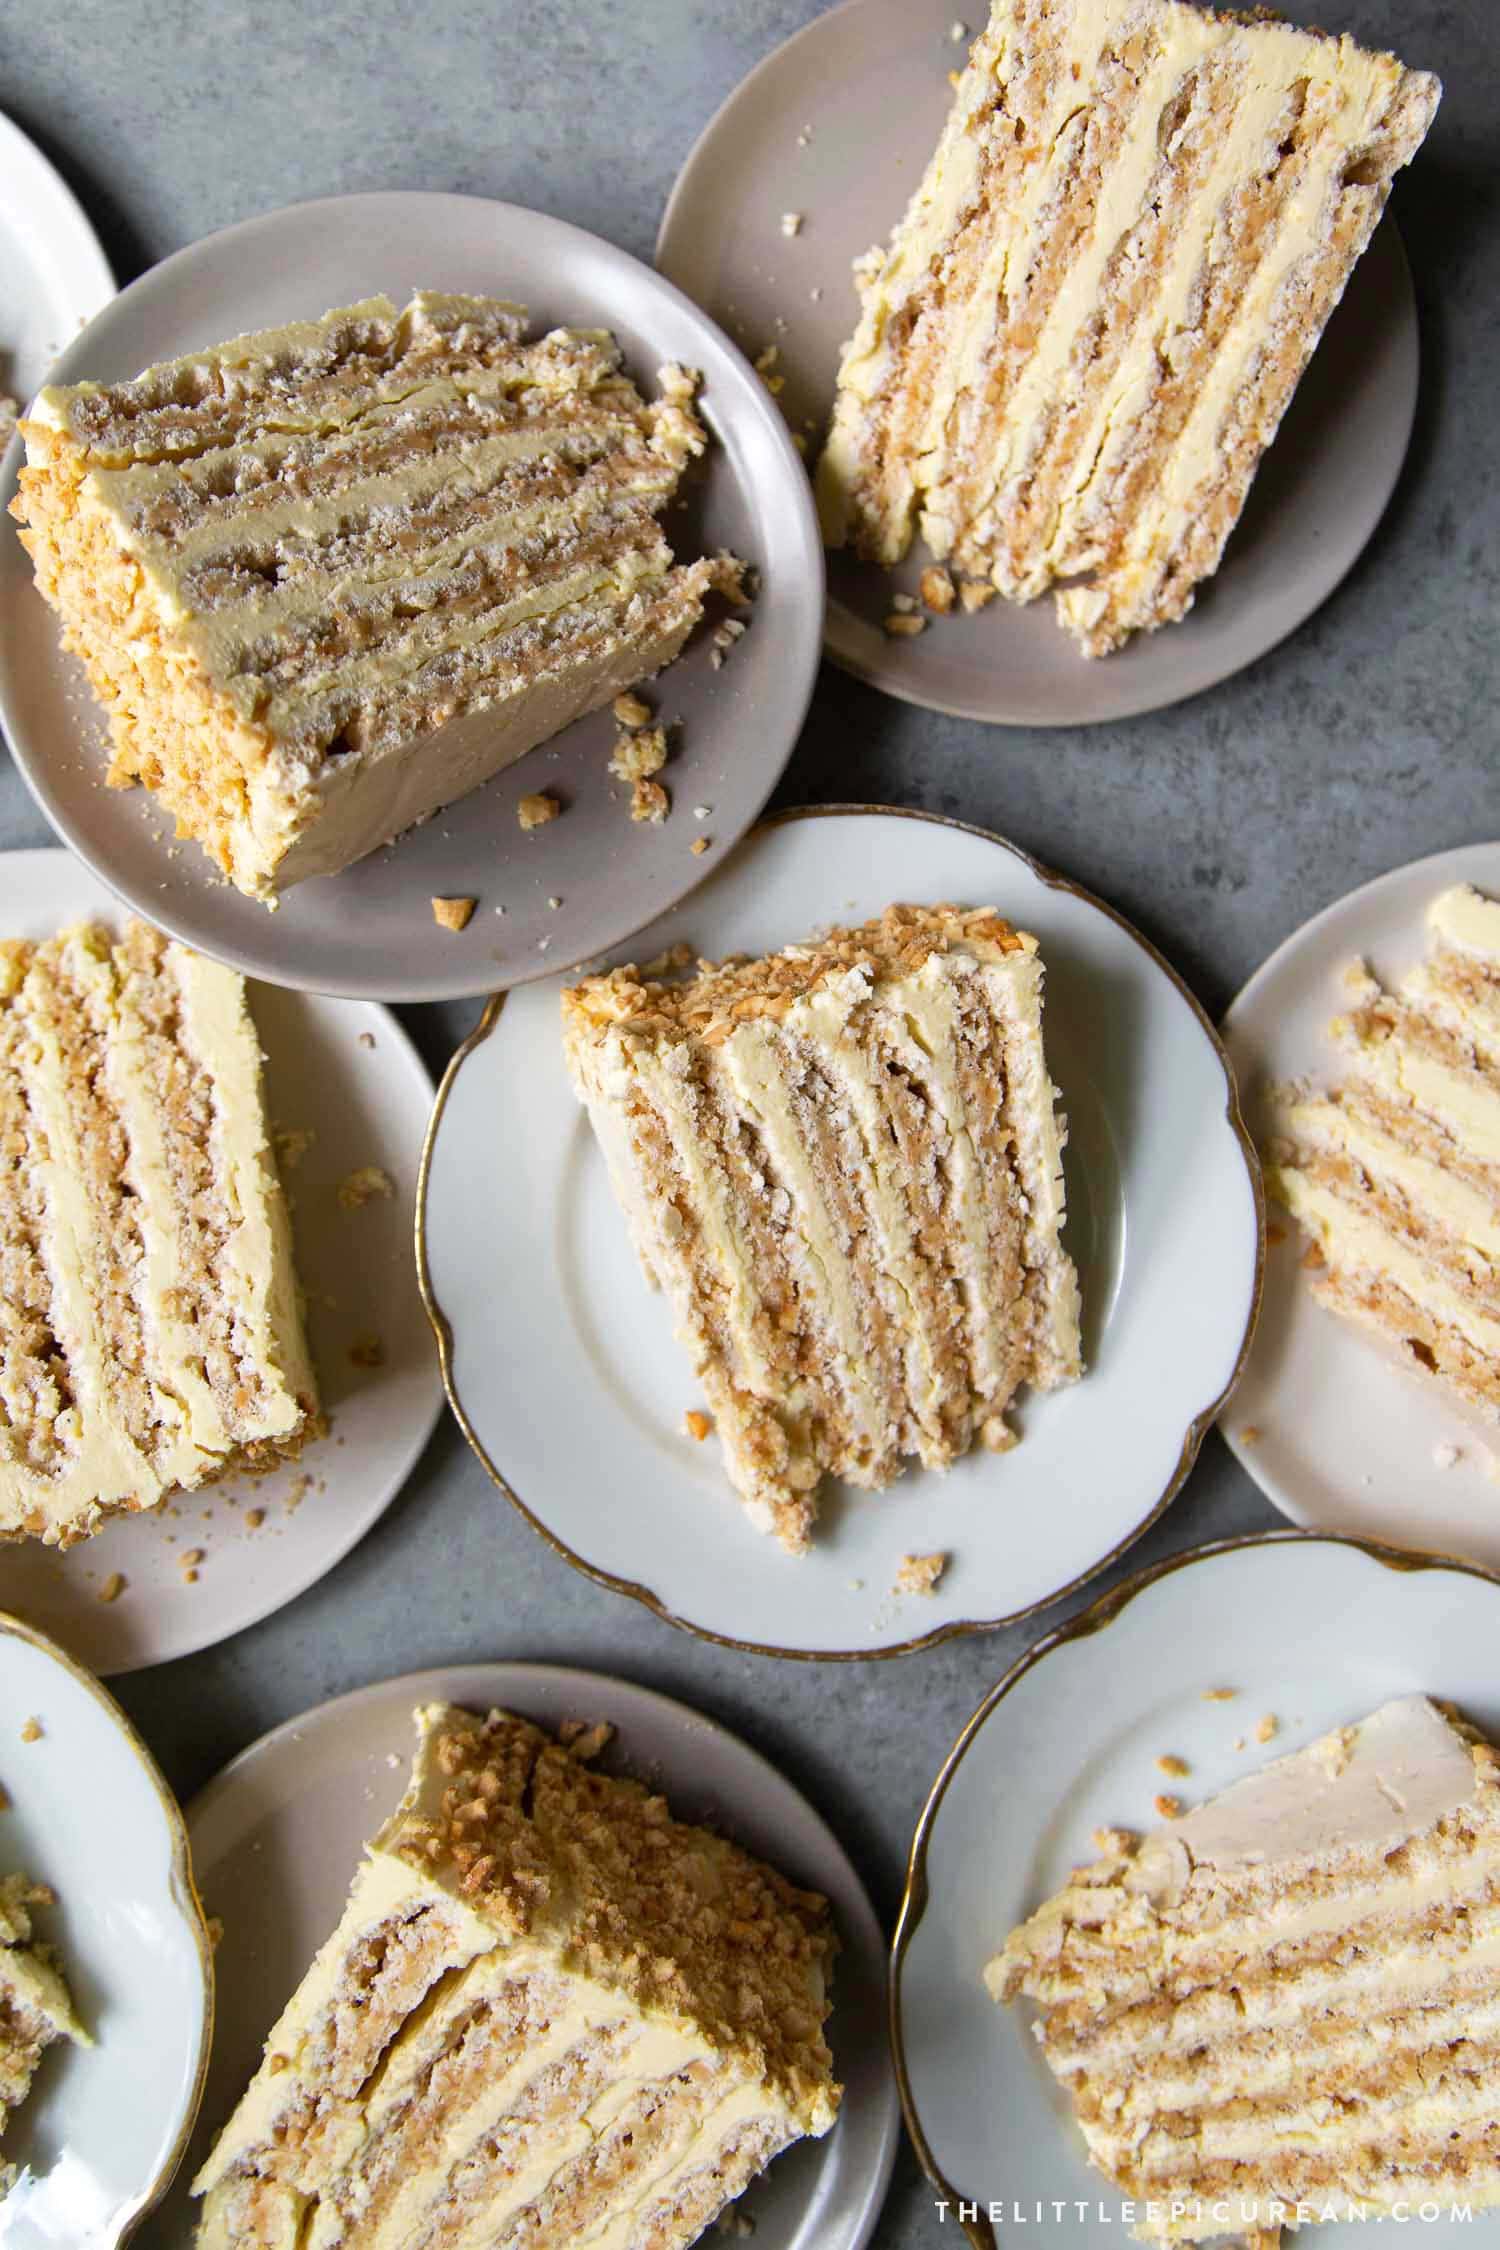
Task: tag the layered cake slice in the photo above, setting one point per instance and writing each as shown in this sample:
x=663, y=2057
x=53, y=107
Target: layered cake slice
x=551, y=2016
x=35, y=2010
x=328, y=577
x=1093, y=316
x=1291, y=1996
x=150, y=1325
x=843, y=1165
x=1395, y=1173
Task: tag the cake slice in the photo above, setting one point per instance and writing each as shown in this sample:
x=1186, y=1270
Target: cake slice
x=328, y=577
x=150, y=1326
x=1093, y=316
x=35, y=2010
x=1291, y=1996
x=1395, y=1172
x=843, y=1165
x=551, y=2016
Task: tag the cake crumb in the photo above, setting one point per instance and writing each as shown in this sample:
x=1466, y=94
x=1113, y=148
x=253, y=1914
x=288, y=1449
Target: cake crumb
x=1267, y=1729
x=32, y=1731
x=585, y=1741
x=696, y=1424
x=699, y=846
x=1169, y=1808
x=535, y=810
x=958, y=31
x=1170, y=1764
x=919, y=1574
x=975, y=594
x=254, y=1519
x=1220, y=1694
x=701, y=812
x=901, y=625
x=300, y=1488
x=363, y=1184
x=996, y=1434
x=1333, y=1751
x=1113, y=1840
x=367, y=1350
x=113, y=1587
x=791, y=223
x=1446, y=1455
x=649, y=801
x=631, y=710
x=293, y=1142
x=193, y=1557
x=937, y=589
x=636, y=757
x=453, y=913
x=1250, y=1433
x=367, y=1038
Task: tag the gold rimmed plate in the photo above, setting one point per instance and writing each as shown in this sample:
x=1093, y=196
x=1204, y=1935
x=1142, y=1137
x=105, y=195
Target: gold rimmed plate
x=1310, y=1633
x=87, y=1813
x=561, y=1363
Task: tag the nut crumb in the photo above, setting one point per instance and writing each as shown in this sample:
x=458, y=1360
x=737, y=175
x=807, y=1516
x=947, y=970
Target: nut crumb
x=919, y=1574
x=791, y=223
x=649, y=801
x=194, y=1556
x=113, y=1587
x=361, y=1186
x=636, y=757
x=254, y=1519
x=696, y=1423
x=1267, y=1729
x=32, y=1731
x=1220, y=1694
x=1249, y=1433
x=975, y=594
x=699, y=846
x=453, y=913
x=367, y=1350
x=631, y=710
x=937, y=589
x=585, y=1741
x=1170, y=1808
x=1172, y=1766
x=535, y=810
x=901, y=625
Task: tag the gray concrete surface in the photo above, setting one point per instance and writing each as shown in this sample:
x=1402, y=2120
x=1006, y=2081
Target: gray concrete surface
x=1365, y=741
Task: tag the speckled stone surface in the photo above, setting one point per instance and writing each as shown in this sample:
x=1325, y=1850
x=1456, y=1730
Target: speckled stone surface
x=1366, y=740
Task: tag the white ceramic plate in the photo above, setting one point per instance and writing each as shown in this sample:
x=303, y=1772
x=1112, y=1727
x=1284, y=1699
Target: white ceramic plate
x=277, y=1838
x=1342, y=1438
x=562, y=1365
x=369, y=930
x=53, y=274
x=1312, y=1632
x=346, y=1072
x=838, y=125
x=104, y=2126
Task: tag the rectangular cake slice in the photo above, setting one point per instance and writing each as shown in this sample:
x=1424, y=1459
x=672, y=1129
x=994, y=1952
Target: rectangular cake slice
x=1093, y=316
x=328, y=577
x=1292, y=1995
x=551, y=2015
x=843, y=1165
x=1395, y=1172
x=35, y=2009
x=150, y=1324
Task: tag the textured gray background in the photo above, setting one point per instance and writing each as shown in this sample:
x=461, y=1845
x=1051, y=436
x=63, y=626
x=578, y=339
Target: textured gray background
x=1217, y=827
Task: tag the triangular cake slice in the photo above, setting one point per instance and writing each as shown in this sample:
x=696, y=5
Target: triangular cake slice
x=1090, y=321
x=1291, y=1996
x=842, y=1163
x=35, y=2008
x=1395, y=1173
x=551, y=2016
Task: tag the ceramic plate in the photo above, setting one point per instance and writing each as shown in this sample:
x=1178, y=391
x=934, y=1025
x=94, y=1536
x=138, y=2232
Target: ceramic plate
x=277, y=1837
x=1065, y=1744
x=104, y=2126
x=344, y=1073
x=370, y=931
x=1333, y=1430
x=53, y=274
x=838, y=125
x=574, y=1364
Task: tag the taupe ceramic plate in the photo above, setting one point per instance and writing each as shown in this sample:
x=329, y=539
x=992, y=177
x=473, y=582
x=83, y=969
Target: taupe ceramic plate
x=837, y=126
x=369, y=931
x=277, y=1837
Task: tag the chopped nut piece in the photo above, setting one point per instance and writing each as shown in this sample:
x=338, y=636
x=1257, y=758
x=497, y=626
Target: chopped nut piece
x=194, y=1555
x=536, y=810
x=903, y=626
x=1220, y=1694
x=454, y=913
x=636, y=757
x=1169, y=1808
x=585, y=1741
x=361, y=1186
x=696, y=1423
x=113, y=1587
x=1171, y=1765
x=937, y=589
x=919, y=1574
x=649, y=801
x=1249, y=1433
x=255, y=1518
x=975, y=594
x=631, y=711
x=367, y=1351
x=699, y=846
x=1267, y=1728
x=32, y=1731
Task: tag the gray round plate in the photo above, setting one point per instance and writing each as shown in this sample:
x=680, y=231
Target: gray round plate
x=277, y=1837
x=369, y=931
x=837, y=125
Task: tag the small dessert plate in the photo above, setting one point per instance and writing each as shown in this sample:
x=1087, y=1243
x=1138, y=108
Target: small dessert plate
x=347, y=1091
x=1338, y=1435
x=564, y=1372
x=87, y=1813
x=834, y=131
x=277, y=1837
x=1309, y=1633
x=585, y=880
x=53, y=275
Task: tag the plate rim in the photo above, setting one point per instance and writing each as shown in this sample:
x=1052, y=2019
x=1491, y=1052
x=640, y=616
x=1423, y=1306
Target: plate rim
x=954, y=1628
x=431, y=1680
x=980, y=2232
x=797, y=492
x=1274, y=1491
x=86, y=260
x=189, y=1901
x=402, y=1039
x=849, y=664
